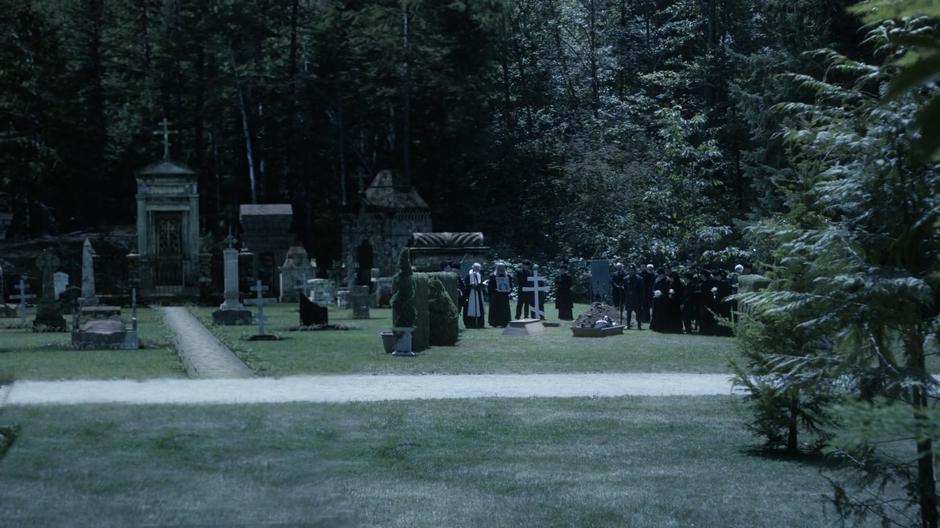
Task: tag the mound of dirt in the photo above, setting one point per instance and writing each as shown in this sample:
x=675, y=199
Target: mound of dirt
x=597, y=311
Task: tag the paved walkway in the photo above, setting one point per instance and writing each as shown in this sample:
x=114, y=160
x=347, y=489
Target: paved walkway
x=361, y=388
x=202, y=354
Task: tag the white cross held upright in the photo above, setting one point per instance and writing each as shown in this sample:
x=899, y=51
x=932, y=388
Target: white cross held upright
x=260, y=289
x=536, y=287
x=22, y=296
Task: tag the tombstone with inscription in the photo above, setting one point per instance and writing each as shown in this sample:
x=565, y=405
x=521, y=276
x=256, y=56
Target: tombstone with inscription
x=294, y=274
x=231, y=311
x=48, y=314
x=321, y=290
x=600, y=281
x=359, y=300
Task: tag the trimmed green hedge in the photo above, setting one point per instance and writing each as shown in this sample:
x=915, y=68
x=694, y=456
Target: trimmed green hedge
x=449, y=281
x=421, y=338
x=444, y=327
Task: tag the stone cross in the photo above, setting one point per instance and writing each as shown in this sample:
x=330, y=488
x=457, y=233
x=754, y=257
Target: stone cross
x=536, y=287
x=166, y=132
x=22, y=296
x=89, y=298
x=230, y=240
x=47, y=263
x=259, y=301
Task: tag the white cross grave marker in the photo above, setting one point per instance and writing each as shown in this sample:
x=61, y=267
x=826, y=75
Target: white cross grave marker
x=536, y=287
x=22, y=296
x=260, y=289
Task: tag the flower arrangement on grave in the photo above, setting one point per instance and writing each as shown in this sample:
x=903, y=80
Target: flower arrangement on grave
x=403, y=304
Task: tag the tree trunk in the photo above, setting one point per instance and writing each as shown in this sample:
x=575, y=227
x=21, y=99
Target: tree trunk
x=920, y=402
x=247, y=133
x=793, y=445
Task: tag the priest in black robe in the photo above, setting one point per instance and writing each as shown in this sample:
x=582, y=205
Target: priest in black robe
x=473, y=308
x=633, y=300
x=499, y=286
x=618, y=285
x=564, y=298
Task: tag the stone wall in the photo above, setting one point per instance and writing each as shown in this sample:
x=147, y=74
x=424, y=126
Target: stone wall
x=388, y=232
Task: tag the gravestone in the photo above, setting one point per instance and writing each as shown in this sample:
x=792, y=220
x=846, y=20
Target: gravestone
x=359, y=300
x=312, y=313
x=321, y=290
x=89, y=298
x=48, y=314
x=60, y=281
x=22, y=287
x=383, y=292
x=342, y=298
x=600, y=281
x=260, y=288
x=536, y=289
x=294, y=274
x=106, y=334
x=231, y=311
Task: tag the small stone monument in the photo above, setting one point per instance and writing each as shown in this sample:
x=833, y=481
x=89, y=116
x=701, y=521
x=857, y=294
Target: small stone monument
x=60, y=281
x=321, y=290
x=231, y=311
x=22, y=287
x=106, y=334
x=359, y=300
x=294, y=273
x=48, y=314
x=88, y=276
x=342, y=298
x=260, y=288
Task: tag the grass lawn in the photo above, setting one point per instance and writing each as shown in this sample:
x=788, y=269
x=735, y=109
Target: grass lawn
x=28, y=355
x=638, y=462
x=479, y=351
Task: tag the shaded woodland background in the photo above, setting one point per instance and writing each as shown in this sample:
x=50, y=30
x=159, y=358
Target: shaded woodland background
x=560, y=128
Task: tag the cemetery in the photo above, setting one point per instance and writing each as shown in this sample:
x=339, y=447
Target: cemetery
x=502, y=264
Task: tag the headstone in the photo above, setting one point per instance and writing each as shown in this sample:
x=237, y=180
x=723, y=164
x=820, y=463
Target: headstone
x=536, y=289
x=231, y=311
x=60, y=281
x=359, y=300
x=22, y=287
x=106, y=333
x=342, y=299
x=312, y=313
x=321, y=290
x=294, y=273
x=88, y=276
x=48, y=314
x=259, y=289
x=600, y=281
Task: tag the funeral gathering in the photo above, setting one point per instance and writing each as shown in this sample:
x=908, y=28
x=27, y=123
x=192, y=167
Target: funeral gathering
x=469, y=263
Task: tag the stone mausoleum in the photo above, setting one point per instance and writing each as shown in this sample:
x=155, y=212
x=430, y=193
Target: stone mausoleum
x=167, y=261
x=266, y=234
x=390, y=210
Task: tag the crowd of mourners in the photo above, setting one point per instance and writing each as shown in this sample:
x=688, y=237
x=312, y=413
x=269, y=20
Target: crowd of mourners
x=691, y=302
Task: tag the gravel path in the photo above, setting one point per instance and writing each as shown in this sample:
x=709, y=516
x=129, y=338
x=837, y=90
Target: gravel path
x=362, y=388
x=202, y=354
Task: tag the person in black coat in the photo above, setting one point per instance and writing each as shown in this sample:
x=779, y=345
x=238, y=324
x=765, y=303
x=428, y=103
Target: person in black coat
x=633, y=302
x=676, y=294
x=523, y=299
x=564, y=298
x=691, y=301
x=499, y=285
x=709, y=305
x=649, y=278
x=724, y=304
x=618, y=285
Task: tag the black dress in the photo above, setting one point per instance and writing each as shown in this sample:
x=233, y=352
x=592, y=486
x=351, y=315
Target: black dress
x=498, y=287
x=564, y=299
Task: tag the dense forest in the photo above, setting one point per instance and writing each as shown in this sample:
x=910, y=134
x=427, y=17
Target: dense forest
x=559, y=128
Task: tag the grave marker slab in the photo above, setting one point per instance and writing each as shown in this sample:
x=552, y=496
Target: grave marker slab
x=600, y=281
x=48, y=314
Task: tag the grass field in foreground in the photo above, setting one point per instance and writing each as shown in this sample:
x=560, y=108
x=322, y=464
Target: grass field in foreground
x=28, y=355
x=638, y=462
x=479, y=351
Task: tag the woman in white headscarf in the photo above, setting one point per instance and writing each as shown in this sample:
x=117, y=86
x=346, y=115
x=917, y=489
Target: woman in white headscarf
x=473, y=314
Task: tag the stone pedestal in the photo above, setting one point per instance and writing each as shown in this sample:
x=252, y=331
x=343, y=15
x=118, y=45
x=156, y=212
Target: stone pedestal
x=231, y=311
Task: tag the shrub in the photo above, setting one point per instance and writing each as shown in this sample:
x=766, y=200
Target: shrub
x=443, y=314
x=421, y=337
x=403, y=293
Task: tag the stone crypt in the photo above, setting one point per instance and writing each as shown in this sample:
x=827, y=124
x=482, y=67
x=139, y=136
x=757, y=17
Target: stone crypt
x=168, y=246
